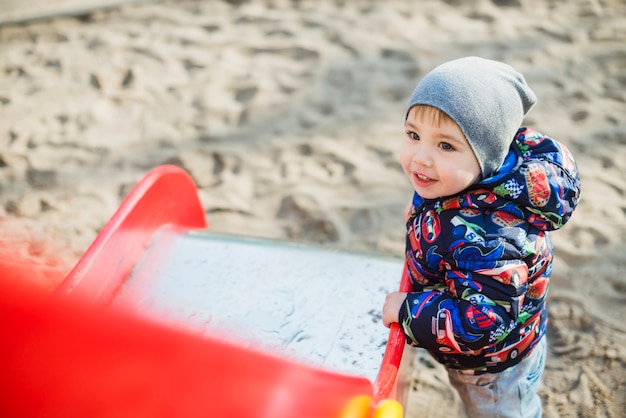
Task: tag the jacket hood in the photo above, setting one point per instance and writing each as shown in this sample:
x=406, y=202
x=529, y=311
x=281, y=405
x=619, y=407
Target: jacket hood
x=540, y=178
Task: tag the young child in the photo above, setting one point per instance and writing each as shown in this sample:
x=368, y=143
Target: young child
x=478, y=254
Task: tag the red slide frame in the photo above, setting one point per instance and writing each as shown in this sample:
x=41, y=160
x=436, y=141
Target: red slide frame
x=167, y=195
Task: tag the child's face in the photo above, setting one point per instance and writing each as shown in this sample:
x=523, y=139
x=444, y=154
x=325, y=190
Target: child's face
x=436, y=157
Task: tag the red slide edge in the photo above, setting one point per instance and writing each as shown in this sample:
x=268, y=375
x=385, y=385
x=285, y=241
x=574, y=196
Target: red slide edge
x=167, y=195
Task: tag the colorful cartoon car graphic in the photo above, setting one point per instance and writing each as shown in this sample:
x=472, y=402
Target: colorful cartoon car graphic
x=486, y=196
x=505, y=219
x=508, y=275
x=538, y=288
x=414, y=239
x=431, y=226
x=542, y=256
x=529, y=333
x=416, y=276
x=422, y=302
x=442, y=330
x=470, y=229
x=469, y=212
x=452, y=203
x=533, y=139
x=538, y=185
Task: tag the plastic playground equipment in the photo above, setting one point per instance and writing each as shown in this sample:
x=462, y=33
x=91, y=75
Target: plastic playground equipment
x=161, y=317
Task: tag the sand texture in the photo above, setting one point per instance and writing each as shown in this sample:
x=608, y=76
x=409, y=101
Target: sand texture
x=289, y=117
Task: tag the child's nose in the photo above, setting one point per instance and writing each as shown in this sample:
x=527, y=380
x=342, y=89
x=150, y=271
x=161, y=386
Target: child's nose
x=423, y=156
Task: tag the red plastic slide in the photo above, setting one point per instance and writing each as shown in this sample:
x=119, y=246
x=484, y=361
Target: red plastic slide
x=65, y=358
x=69, y=354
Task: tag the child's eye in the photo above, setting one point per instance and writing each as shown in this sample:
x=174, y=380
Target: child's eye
x=414, y=136
x=446, y=146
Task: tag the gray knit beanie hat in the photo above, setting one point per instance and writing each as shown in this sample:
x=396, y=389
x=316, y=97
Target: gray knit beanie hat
x=487, y=99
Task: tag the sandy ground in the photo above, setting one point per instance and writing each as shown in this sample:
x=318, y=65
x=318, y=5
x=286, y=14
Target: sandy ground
x=288, y=115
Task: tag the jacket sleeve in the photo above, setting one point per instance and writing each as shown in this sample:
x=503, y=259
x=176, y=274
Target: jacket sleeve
x=485, y=281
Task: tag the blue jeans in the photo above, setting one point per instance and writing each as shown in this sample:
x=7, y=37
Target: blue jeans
x=512, y=393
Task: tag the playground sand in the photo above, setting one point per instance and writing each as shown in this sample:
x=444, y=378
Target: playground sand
x=288, y=115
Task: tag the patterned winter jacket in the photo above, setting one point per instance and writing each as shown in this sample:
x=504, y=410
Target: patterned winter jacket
x=480, y=261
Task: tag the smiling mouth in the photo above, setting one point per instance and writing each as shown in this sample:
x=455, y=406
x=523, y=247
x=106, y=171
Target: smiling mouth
x=422, y=177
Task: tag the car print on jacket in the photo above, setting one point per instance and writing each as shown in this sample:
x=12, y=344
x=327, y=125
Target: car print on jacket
x=529, y=336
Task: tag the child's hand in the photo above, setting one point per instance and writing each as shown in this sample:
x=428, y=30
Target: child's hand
x=391, y=308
